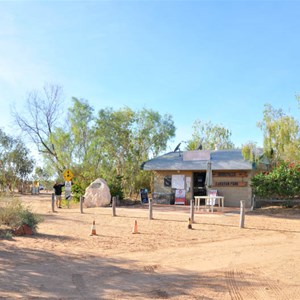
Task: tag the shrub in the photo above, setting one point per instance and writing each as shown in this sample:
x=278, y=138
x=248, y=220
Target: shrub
x=115, y=187
x=282, y=182
x=14, y=214
x=77, y=191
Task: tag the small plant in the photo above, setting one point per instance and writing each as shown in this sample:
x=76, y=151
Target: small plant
x=14, y=214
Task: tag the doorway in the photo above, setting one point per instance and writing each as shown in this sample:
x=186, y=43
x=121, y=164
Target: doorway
x=199, y=184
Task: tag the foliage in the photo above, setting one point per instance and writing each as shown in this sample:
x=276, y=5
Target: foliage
x=15, y=161
x=282, y=182
x=281, y=135
x=112, y=145
x=249, y=152
x=210, y=136
x=115, y=187
x=14, y=214
x=77, y=191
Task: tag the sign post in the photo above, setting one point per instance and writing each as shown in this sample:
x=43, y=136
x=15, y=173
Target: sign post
x=68, y=175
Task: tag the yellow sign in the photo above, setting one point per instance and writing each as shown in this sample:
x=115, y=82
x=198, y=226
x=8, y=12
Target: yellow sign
x=68, y=175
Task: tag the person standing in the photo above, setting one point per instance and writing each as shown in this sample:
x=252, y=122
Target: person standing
x=58, y=191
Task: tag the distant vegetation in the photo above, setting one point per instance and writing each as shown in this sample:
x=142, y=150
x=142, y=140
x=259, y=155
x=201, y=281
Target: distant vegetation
x=112, y=144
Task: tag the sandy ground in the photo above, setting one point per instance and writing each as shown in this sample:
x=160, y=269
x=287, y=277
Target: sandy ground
x=215, y=260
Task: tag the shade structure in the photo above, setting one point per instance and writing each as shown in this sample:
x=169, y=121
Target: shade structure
x=208, y=177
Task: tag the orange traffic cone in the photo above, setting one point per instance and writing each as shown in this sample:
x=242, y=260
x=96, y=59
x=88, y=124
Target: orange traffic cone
x=190, y=224
x=93, y=229
x=135, y=227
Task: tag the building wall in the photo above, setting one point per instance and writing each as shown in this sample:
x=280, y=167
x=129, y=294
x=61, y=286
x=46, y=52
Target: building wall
x=165, y=194
x=233, y=188
x=233, y=194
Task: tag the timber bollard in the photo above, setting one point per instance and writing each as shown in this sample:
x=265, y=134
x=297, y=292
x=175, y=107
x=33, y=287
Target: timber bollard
x=81, y=204
x=52, y=202
x=150, y=210
x=113, y=205
x=242, y=214
x=192, y=210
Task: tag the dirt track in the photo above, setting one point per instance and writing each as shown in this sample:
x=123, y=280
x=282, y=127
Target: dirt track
x=215, y=260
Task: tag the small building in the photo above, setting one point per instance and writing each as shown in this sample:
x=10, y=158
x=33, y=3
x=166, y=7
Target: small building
x=185, y=172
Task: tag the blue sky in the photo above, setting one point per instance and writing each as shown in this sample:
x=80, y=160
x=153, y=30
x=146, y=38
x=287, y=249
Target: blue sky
x=218, y=61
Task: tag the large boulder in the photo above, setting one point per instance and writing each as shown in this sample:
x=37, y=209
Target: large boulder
x=97, y=194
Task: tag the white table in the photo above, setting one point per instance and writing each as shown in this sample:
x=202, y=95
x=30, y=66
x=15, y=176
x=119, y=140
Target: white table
x=209, y=201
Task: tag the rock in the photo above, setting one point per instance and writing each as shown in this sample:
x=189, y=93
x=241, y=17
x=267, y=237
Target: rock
x=27, y=230
x=97, y=194
x=18, y=231
x=23, y=230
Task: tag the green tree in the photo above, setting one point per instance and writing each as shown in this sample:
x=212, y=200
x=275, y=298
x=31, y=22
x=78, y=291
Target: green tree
x=249, y=151
x=15, y=161
x=111, y=145
x=281, y=135
x=129, y=138
x=209, y=136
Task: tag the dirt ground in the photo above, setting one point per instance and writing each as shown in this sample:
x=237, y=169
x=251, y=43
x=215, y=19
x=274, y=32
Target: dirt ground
x=215, y=260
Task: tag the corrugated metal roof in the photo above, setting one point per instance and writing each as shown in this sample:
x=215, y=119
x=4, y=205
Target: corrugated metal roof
x=220, y=160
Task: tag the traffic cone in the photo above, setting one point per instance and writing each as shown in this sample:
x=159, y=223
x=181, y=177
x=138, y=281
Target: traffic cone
x=190, y=224
x=135, y=227
x=93, y=229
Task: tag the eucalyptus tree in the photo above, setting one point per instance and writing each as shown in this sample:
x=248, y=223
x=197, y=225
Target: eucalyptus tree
x=281, y=135
x=129, y=138
x=112, y=144
x=72, y=140
x=209, y=136
x=39, y=119
x=15, y=160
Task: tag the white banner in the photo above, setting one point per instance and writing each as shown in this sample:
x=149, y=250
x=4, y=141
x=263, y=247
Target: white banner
x=178, y=182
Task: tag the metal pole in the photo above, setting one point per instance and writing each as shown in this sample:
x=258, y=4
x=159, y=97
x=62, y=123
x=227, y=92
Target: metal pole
x=52, y=202
x=242, y=214
x=150, y=210
x=113, y=205
x=81, y=204
x=192, y=210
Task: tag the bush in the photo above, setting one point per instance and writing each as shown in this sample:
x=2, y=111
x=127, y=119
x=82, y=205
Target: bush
x=282, y=182
x=14, y=214
x=77, y=191
x=115, y=187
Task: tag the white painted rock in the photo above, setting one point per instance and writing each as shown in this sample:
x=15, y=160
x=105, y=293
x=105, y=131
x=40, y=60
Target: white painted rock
x=97, y=194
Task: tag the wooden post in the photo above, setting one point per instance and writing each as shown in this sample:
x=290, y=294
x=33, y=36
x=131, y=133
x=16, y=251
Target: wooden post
x=192, y=210
x=150, y=210
x=242, y=214
x=113, y=205
x=52, y=202
x=81, y=204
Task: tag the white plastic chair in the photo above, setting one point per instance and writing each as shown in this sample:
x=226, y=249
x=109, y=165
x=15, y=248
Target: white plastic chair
x=211, y=201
